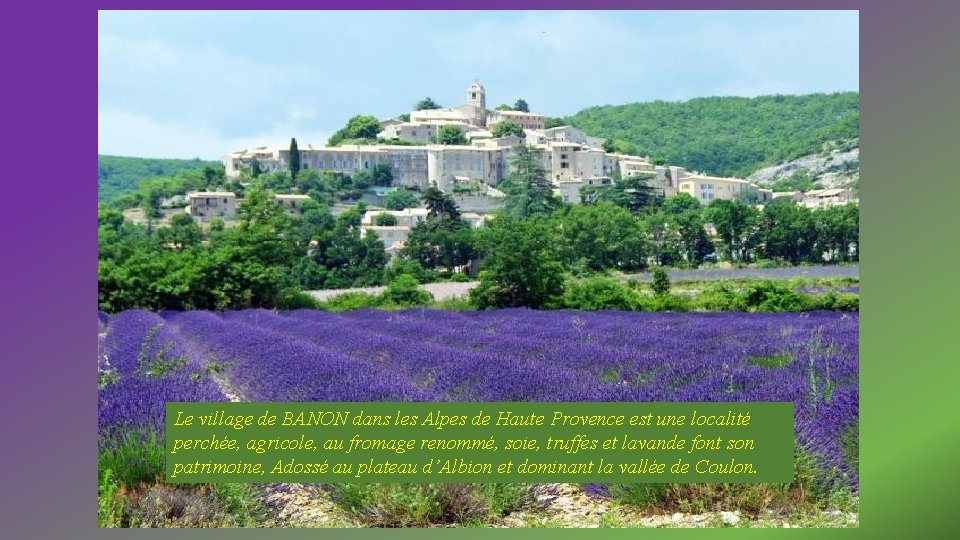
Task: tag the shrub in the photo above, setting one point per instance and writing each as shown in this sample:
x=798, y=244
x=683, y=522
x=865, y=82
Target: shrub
x=837, y=301
x=405, y=291
x=458, y=277
x=661, y=281
x=600, y=293
x=402, y=265
x=296, y=299
x=385, y=220
x=667, y=302
x=351, y=301
x=768, y=295
x=720, y=296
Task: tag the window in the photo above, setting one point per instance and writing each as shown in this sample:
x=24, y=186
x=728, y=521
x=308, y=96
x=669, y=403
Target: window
x=564, y=165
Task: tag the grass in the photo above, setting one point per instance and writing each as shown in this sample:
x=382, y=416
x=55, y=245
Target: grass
x=610, y=376
x=132, y=458
x=770, y=362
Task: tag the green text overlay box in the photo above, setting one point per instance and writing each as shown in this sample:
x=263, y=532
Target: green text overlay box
x=479, y=442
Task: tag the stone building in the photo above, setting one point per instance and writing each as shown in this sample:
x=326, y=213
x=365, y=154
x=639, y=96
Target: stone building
x=207, y=205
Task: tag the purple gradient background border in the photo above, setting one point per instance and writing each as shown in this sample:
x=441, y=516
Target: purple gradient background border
x=49, y=240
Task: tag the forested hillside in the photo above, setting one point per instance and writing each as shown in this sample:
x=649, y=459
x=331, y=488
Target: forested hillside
x=120, y=175
x=728, y=135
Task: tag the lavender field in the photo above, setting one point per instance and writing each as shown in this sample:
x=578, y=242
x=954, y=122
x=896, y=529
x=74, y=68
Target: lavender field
x=810, y=359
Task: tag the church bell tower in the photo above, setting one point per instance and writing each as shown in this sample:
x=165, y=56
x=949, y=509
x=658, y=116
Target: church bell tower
x=477, y=99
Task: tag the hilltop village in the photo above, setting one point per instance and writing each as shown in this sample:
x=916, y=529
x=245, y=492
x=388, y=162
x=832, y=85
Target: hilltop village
x=472, y=167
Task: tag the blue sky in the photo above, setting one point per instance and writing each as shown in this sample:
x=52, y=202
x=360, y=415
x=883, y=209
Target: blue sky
x=201, y=84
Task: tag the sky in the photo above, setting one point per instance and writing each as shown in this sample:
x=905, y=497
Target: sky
x=199, y=84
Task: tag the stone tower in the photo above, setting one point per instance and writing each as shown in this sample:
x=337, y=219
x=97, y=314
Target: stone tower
x=477, y=100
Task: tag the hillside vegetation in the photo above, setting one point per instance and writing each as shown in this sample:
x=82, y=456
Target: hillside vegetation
x=728, y=135
x=118, y=175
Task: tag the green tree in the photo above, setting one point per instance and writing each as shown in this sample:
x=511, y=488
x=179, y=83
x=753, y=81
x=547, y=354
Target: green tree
x=109, y=217
x=736, y=225
x=425, y=104
x=838, y=232
x=451, y=134
x=182, y=232
x=255, y=168
x=787, y=231
x=603, y=235
x=635, y=193
x=692, y=238
x=520, y=267
x=502, y=129
x=440, y=205
x=664, y=238
x=661, y=282
x=401, y=199
x=680, y=203
x=521, y=105
x=503, y=107
x=385, y=220
x=294, y=158
x=405, y=265
x=441, y=243
x=382, y=175
x=553, y=122
x=359, y=129
x=527, y=188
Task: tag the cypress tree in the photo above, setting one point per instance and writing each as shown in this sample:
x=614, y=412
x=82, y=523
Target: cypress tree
x=294, y=158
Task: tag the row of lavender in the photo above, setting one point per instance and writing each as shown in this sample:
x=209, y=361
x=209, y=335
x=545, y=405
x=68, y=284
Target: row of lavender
x=810, y=359
x=143, y=364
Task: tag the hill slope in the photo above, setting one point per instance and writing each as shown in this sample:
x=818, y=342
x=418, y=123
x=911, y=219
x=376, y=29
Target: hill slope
x=728, y=135
x=118, y=175
x=824, y=170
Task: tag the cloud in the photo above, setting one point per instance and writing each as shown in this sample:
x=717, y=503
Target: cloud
x=204, y=84
x=130, y=134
